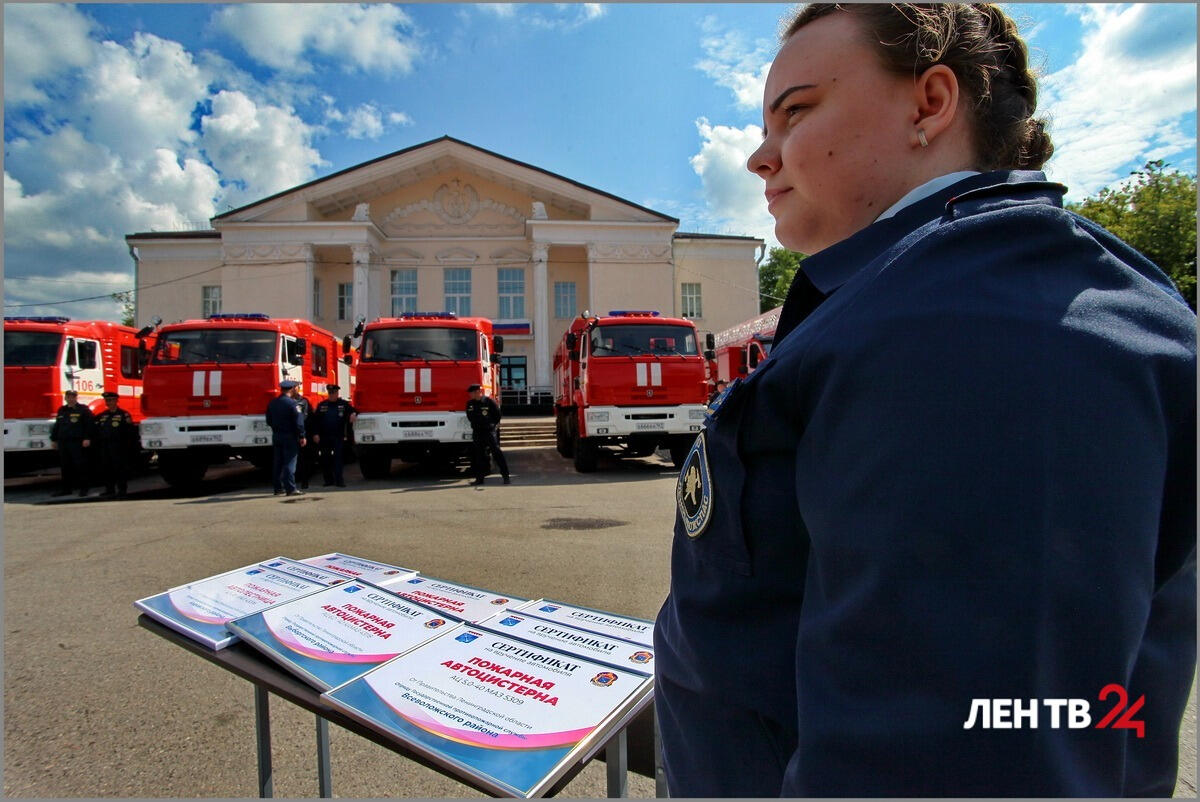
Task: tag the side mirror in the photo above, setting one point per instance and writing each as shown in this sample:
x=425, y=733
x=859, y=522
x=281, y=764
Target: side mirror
x=346, y=342
x=349, y=360
x=710, y=342
x=497, y=345
x=710, y=354
x=301, y=348
x=572, y=341
x=495, y=359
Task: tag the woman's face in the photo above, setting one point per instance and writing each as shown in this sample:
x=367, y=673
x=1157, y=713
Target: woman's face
x=838, y=132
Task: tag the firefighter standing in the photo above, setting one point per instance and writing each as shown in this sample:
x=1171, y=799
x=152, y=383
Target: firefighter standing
x=117, y=438
x=287, y=438
x=72, y=432
x=306, y=461
x=327, y=427
x=484, y=415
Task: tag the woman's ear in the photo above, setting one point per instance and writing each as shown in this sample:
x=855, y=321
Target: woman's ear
x=935, y=96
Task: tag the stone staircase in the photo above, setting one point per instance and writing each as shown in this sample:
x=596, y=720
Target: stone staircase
x=527, y=432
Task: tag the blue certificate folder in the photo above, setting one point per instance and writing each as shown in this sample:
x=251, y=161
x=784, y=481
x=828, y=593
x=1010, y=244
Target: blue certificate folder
x=427, y=700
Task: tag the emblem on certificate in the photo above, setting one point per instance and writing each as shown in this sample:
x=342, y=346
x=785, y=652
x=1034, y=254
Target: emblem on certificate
x=693, y=489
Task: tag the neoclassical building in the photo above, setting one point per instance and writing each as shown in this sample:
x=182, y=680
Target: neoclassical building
x=447, y=226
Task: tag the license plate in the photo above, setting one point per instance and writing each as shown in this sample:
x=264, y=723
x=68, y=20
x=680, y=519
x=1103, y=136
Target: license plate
x=649, y=426
x=416, y=434
x=206, y=438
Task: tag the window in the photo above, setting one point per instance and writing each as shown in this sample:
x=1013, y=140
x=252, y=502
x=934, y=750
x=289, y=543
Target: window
x=631, y=340
x=564, y=299
x=320, y=358
x=423, y=345
x=316, y=297
x=88, y=349
x=511, y=286
x=457, y=288
x=512, y=371
x=404, y=291
x=345, y=301
x=691, y=301
x=220, y=346
x=132, y=361
x=212, y=300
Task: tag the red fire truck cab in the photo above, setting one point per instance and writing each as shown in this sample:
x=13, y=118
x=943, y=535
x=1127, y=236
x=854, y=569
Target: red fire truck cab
x=411, y=388
x=46, y=356
x=209, y=382
x=740, y=348
x=631, y=379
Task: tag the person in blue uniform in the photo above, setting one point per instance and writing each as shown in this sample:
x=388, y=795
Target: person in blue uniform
x=72, y=433
x=484, y=415
x=117, y=441
x=286, y=420
x=328, y=428
x=964, y=476
x=306, y=460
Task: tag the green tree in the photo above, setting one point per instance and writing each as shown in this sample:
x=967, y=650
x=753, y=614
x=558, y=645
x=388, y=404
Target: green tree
x=1155, y=213
x=125, y=299
x=775, y=276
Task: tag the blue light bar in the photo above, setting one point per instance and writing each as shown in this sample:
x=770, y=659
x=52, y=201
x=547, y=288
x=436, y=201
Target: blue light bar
x=633, y=313
x=239, y=316
x=39, y=319
x=429, y=315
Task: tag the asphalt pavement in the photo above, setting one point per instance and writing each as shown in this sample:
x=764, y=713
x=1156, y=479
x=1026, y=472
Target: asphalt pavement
x=96, y=706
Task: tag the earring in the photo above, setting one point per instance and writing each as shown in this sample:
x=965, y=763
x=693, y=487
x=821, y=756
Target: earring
x=921, y=138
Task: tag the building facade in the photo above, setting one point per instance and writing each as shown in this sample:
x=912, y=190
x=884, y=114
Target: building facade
x=447, y=226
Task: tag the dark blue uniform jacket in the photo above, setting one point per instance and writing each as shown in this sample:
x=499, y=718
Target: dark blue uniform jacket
x=285, y=416
x=968, y=474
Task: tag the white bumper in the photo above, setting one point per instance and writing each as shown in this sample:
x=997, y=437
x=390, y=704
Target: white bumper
x=625, y=421
x=28, y=434
x=160, y=434
x=390, y=428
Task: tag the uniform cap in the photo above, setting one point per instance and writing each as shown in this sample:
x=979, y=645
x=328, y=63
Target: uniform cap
x=473, y=388
x=110, y=394
x=71, y=392
x=333, y=387
x=288, y=384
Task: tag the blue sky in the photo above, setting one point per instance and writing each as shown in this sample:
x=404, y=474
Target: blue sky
x=129, y=117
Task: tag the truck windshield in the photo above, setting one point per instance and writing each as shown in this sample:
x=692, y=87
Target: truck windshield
x=635, y=340
x=193, y=346
x=31, y=349
x=429, y=344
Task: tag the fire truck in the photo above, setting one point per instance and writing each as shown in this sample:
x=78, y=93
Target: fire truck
x=46, y=356
x=413, y=373
x=631, y=379
x=740, y=348
x=209, y=381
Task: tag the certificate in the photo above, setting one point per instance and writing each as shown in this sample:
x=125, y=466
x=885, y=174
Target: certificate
x=637, y=630
x=334, y=635
x=512, y=715
x=566, y=638
x=358, y=568
x=461, y=602
x=311, y=572
x=201, y=609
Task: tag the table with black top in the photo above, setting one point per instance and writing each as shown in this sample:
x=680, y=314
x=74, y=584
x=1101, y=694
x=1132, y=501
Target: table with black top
x=633, y=748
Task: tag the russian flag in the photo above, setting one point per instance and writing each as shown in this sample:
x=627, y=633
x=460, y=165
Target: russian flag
x=512, y=328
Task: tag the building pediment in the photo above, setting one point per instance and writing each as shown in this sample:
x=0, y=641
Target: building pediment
x=470, y=187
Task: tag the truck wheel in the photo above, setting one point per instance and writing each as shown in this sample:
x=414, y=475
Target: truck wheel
x=373, y=464
x=586, y=454
x=679, y=451
x=181, y=471
x=562, y=438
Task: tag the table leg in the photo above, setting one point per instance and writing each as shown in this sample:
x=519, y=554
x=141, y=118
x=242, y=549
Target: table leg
x=262, y=733
x=324, y=778
x=660, y=776
x=616, y=758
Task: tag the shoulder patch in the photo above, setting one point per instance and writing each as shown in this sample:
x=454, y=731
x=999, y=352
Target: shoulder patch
x=693, y=489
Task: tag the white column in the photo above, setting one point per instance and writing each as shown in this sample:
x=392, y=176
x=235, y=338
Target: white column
x=592, y=306
x=309, y=275
x=362, y=283
x=541, y=316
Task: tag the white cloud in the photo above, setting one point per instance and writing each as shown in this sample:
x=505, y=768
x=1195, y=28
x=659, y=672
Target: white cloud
x=283, y=36
x=366, y=121
x=734, y=195
x=41, y=43
x=546, y=16
x=1124, y=97
x=735, y=63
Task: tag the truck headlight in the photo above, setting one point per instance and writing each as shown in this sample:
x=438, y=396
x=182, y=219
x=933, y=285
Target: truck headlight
x=696, y=414
x=259, y=426
x=597, y=417
x=151, y=428
x=365, y=424
x=39, y=429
